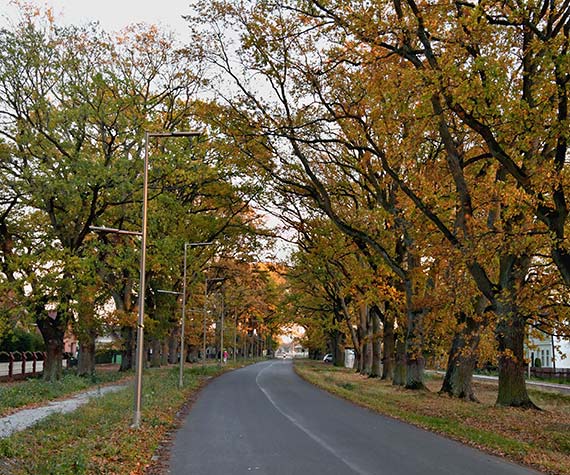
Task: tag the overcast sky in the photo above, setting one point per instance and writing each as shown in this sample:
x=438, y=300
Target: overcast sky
x=112, y=14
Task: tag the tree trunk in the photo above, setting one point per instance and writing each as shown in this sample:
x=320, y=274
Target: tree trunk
x=353, y=334
x=336, y=352
x=399, y=378
x=510, y=335
x=462, y=359
x=52, y=327
x=415, y=362
x=365, y=348
x=192, y=353
x=155, y=357
x=389, y=344
x=53, y=365
x=86, y=361
x=123, y=299
x=173, y=344
x=128, y=352
x=164, y=356
x=376, y=370
x=86, y=331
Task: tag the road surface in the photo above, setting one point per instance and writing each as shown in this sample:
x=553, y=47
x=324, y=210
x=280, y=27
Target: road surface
x=267, y=420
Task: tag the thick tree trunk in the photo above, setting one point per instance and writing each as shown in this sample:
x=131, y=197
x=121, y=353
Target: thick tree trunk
x=336, y=352
x=376, y=369
x=164, y=356
x=86, y=331
x=399, y=378
x=173, y=347
x=123, y=299
x=192, y=353
x=389, y=344
x=462, y=359
x=53, y=365
x=361, y=330
x=369, y=348
x=128, y=352
x=53, y=332
x=155, y=357
x=510, y=335
x=353, y=334
x=365, y=331
x=86, y=361
x=415, y=362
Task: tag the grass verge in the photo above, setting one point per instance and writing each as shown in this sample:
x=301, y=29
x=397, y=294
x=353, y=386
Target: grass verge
x=36, y=391
x=537, y=438
x=97, y=438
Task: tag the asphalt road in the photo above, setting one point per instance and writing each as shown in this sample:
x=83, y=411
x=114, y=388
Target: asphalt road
x=265, y=419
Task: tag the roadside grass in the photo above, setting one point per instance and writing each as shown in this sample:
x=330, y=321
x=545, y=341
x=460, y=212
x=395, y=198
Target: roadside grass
x=32, y=392
x=97, y=438
x=537, y=438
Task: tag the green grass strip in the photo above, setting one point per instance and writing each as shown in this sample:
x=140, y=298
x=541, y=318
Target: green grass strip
x=97, y=438
x=37, y=391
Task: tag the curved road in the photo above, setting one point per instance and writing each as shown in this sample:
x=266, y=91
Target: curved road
x=267, y=420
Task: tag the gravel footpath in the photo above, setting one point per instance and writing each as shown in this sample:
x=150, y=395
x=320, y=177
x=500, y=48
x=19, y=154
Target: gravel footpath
x=28, y=417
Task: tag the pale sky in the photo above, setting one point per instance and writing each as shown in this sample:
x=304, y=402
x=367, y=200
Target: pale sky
x=112, y=14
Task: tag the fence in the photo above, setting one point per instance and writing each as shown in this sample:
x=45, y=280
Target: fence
x=20, y=364
x=561, y=374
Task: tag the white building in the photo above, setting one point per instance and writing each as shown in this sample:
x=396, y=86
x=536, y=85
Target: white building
x=545, y=347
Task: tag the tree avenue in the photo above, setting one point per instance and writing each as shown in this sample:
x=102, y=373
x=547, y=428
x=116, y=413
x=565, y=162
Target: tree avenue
x=415, y=152
x=431, y=134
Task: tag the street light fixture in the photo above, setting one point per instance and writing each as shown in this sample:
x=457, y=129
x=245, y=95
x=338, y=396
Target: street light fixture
x=140, y=322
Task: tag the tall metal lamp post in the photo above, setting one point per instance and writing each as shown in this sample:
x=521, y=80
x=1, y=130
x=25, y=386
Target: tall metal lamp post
x=142, y=270
x=140, y=322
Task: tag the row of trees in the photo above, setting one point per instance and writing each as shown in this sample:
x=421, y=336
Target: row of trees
x=419, y=149
x=75, y=103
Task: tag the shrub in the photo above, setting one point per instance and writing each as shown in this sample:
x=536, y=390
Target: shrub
x=19, y=339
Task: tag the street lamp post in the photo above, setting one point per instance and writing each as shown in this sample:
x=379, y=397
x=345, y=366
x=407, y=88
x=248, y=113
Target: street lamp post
x=140, y=322
x=142, y=269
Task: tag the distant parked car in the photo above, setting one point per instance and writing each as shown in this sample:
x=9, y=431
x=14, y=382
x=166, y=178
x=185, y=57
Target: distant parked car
x=328, y=358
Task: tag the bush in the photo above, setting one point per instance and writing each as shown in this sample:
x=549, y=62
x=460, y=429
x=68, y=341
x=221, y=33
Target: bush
x=19, y=339
x=105, y=356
